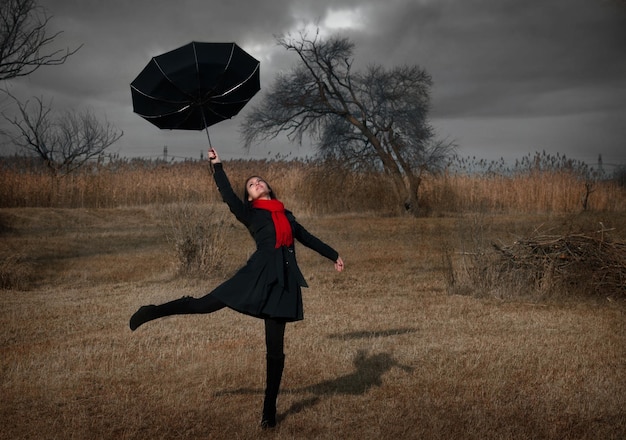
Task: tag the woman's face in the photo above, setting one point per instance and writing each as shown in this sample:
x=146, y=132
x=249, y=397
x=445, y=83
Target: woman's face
x=257, y=188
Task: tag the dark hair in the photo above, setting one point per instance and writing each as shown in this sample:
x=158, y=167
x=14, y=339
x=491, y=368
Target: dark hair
x=245, y=189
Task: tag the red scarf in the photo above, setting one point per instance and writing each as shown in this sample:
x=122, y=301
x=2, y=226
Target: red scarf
x=284, y=236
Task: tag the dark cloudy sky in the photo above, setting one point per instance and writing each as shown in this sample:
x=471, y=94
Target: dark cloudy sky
x=510, y=77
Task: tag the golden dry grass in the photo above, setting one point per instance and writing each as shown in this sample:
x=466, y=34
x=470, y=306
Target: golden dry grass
x=308, y=187
x=383, y=352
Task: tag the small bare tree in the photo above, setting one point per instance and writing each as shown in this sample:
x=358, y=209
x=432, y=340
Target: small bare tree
x=24, y=39
x=64, y=143
x=377, y=118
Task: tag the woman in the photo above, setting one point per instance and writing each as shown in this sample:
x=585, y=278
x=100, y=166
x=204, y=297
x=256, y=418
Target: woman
x=268, y=286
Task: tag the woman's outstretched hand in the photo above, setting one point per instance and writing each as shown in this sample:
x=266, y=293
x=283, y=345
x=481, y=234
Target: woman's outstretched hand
x=213, y=157
x=339, y=264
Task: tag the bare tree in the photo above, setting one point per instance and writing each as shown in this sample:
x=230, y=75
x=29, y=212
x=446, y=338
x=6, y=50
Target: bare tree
x=24, y=39
x=375, y=118
x=66, y=142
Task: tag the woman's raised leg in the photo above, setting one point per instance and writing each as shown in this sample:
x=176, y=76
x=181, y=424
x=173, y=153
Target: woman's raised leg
x=186, y=305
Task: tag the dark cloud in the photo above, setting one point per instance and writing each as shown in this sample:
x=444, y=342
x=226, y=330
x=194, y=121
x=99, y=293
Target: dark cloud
x=480, y=52
x=508, y=75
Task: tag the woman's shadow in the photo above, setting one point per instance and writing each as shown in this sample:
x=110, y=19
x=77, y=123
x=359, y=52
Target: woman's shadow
x=368, y=373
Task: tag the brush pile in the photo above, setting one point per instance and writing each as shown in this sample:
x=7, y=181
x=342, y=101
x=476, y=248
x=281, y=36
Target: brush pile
x=590, y=264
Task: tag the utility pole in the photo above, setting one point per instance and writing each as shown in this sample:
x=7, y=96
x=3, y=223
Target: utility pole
x=600, y=166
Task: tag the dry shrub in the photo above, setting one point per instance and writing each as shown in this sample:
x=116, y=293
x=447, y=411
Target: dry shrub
x=197, y=234
x=15, y=273
x=543, y=266
x=590, y=264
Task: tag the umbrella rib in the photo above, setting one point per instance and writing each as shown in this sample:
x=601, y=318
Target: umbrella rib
x=239, y=85
x=156, y=98
x=195, y=58
x=230, y=58
x=161, y=115
x=168, y=78
x=179, y=110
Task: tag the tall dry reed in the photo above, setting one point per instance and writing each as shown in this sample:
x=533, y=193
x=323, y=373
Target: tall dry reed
x=535, y=192
x=308, y=186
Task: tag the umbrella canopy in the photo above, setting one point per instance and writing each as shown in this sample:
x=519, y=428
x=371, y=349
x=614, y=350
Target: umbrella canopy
x=195, y=86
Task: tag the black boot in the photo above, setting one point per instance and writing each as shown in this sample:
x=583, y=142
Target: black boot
x=148, y=313
x=275, y=365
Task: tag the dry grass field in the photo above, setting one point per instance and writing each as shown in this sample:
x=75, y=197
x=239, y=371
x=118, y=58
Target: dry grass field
x=385, y=351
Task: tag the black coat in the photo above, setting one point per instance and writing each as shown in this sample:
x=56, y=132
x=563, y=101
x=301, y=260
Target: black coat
x=269, y=285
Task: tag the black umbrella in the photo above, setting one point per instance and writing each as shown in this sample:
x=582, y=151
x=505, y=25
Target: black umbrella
x=195, y=86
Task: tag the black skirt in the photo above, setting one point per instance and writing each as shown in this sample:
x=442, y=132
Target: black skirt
x=268, y=286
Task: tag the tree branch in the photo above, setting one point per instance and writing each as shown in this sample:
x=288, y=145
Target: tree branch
x=24, y=38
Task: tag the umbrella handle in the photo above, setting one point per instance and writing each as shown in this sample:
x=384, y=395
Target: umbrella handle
x=206, y=128
x=207, y=135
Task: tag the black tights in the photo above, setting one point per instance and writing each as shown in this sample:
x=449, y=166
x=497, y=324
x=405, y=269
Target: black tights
x=274, y=337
